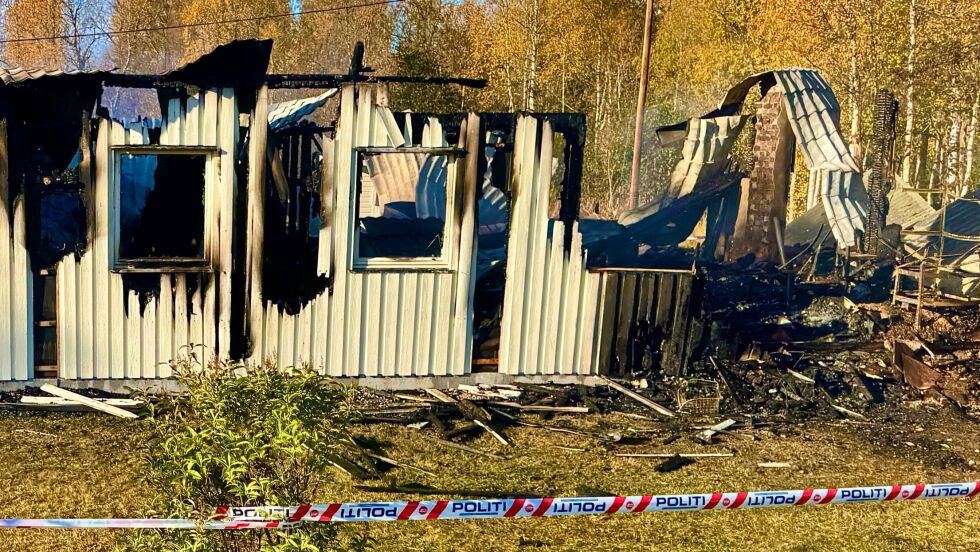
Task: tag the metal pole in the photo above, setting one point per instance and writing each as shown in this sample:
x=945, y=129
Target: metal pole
x=640, y=103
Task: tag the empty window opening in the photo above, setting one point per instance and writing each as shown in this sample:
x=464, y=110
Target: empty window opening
x=403, y=198
x=161, y=205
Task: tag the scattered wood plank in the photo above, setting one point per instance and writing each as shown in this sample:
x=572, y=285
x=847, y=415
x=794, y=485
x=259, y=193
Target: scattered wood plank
x=346, y=466
x=835, y=406
x=708, y=436
x=800, y=376
x=462, y=447
x=122, y=403
x=724, y=379
x=56, y=407
x=489, y=392
x=662, y=410
x=396, y=410
x=774, y=465
x=85, y=401
x=569, y=449
x=670, y=454
x=486, y=427
x=540, y=408
x=440, y=395
x=847, y=412
x=415, y=398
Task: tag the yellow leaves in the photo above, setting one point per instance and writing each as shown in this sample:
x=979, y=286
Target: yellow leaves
x=191, y=12
x=35, y=18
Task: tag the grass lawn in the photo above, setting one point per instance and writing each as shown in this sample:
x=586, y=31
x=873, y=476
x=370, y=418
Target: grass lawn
x=90, y=467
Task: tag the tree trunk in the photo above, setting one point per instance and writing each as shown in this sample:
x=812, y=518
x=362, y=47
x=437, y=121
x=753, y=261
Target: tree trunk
x=908, y=162
x=854, y=91
x=952, y=169
x=920, y=157
x=971, y=136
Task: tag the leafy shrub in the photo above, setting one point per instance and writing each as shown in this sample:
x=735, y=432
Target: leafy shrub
x=250, y=436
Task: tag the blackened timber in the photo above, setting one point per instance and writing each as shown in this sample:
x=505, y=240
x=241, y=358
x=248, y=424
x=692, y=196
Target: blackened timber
x=333, y=81
x=286, y=81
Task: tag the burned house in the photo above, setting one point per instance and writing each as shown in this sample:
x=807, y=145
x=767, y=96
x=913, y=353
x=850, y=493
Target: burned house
x=366, y=242
x=332, y=230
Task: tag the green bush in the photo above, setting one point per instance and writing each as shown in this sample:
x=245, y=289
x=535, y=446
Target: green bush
x=250, y=436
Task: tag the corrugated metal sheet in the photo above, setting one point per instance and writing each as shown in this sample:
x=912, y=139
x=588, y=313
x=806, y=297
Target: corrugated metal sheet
x=16, y=293
x=409, y=322
x=15, y=75
x=962, y=227
x=907, y=209
x=285, y=114
x=104, y=331
x=705, y=156
x=549, y=298
x=645, y=321
x=835, y=178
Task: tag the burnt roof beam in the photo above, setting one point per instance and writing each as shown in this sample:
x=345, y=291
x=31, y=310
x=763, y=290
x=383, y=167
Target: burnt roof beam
x=292, y=81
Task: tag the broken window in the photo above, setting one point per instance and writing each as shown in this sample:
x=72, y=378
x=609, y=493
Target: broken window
x=403, y=198
x=161, y=206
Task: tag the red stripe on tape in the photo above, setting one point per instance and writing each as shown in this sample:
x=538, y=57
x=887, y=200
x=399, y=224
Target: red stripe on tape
x=917, y=492
x=893, y=493
x=409, y=509
x=805, y=497
x=715, y=499
x=545, y=504
x=831, y=493
x=300, y=512
x=616, y=505
x=330, y=512
x=739, y=499
x=645, y=501
x=515, y=507
x=437, y=509
x=976, y=490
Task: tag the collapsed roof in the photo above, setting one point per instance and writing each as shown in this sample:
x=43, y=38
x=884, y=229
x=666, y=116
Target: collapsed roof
x=705, y=170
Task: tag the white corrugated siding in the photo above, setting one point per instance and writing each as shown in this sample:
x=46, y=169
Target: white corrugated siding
x=16, y=293
x=405, y=323
x=835, y=179
x=549, y=299
x=103, y=330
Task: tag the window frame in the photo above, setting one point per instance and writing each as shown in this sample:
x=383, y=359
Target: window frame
x=162, y=264
x=442, y=263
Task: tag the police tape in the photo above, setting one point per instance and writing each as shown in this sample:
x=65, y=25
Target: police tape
x=273, y=517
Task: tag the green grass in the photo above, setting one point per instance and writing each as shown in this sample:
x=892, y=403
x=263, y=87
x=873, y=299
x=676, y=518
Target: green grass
x=91, y=469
